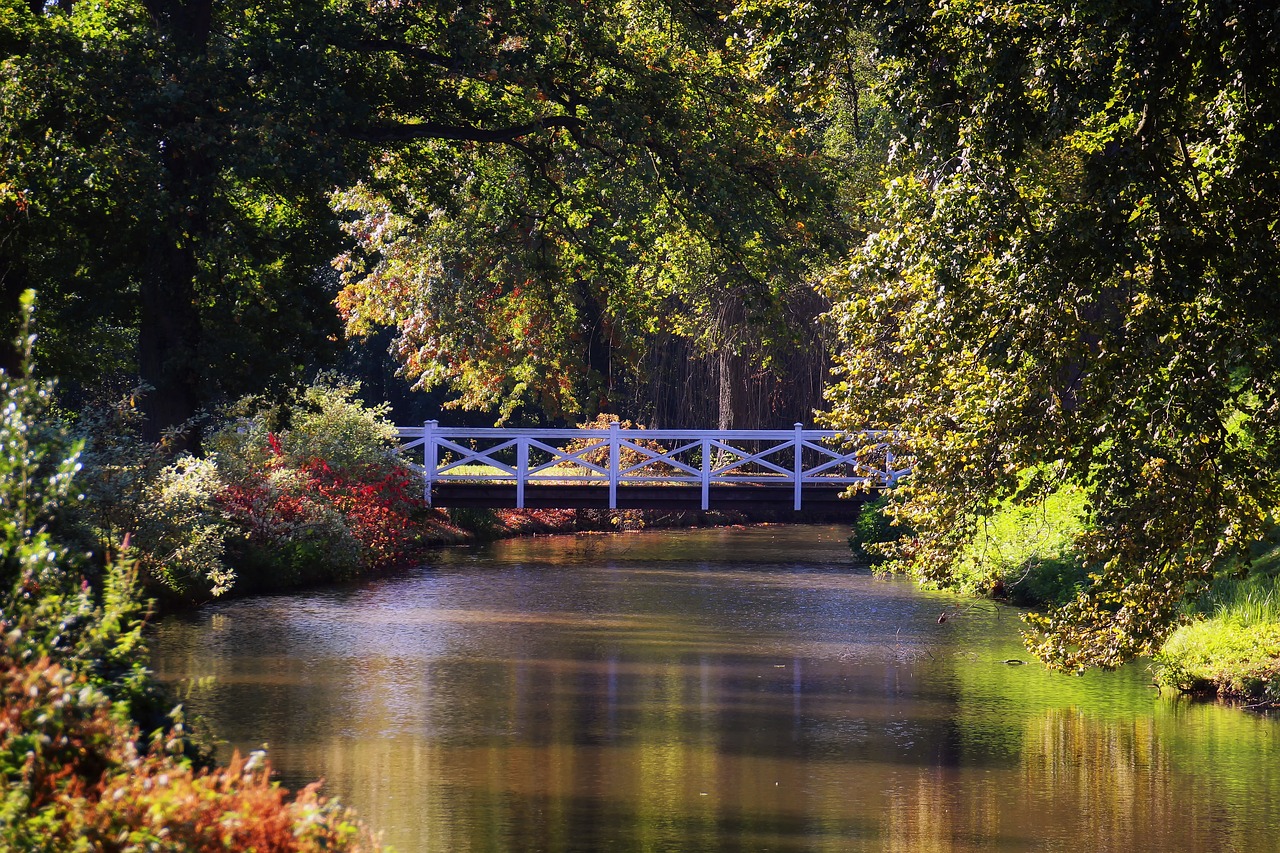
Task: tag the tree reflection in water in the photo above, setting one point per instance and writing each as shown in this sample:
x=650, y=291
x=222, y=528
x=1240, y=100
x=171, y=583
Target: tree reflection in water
x=709, y=690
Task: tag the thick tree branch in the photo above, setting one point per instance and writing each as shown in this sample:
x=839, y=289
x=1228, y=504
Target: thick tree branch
x=407, y=49
x=432, y=130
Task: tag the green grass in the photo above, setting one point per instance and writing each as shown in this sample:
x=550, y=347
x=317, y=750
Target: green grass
x=1027, y=553
x=1233, y=645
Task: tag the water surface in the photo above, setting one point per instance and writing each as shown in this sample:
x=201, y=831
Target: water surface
x=709, y=690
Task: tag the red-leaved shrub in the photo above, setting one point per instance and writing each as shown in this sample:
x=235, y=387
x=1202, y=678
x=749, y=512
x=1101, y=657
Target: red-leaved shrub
x=74, y=781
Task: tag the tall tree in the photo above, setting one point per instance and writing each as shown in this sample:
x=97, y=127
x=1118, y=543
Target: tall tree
x=1073, y=280
x=650, y=185
x=533, y=188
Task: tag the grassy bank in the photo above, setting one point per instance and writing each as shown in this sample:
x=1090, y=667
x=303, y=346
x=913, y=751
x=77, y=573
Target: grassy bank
x=1231, y=645
x=1021, y=554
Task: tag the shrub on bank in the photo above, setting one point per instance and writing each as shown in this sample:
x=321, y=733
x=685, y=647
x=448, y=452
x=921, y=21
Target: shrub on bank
x=873, y=527
x=182, y=530
x=76, y=781
x=321, y=494
x=1232, y=645
x=79, y=773
x=285, y=495
x=1025, y=553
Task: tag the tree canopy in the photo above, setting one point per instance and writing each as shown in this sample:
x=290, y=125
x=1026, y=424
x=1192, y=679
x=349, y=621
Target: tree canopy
x=529, y=189
x=1072, y=280
x=655, y=179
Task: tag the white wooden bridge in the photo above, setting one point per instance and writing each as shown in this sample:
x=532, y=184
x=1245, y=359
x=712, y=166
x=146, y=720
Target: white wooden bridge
x=618, y=468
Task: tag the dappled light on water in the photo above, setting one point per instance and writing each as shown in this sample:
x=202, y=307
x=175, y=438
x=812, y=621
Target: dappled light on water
x=743, y=689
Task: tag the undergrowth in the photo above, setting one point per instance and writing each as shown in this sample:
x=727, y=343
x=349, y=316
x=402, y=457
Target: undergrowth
x=1230, y=645
x=1024, y=553
x=88, y=759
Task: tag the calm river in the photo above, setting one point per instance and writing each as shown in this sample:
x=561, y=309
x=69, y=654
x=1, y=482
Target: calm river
x=709, y=690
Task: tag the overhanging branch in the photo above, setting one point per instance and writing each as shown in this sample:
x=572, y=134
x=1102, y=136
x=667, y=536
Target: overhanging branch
x=430, y=130
x=414, y=51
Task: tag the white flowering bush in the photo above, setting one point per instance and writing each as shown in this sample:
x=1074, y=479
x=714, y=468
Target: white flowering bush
x=328, y=421
x=183, y=531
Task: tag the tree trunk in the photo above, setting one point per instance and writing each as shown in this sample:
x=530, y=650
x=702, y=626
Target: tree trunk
x=169, y=338
x=13, y=281
x=169, y=325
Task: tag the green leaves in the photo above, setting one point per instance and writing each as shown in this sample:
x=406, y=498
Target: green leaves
x=1069, y=274
x=538, y=272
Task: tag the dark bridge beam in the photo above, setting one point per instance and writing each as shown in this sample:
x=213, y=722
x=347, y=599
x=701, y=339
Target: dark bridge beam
x=818, y=500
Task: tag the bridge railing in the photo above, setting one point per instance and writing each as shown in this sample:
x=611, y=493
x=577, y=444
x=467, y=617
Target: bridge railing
x=617, y=457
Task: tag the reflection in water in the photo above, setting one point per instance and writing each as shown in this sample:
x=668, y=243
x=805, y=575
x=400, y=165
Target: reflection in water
x=709, y=690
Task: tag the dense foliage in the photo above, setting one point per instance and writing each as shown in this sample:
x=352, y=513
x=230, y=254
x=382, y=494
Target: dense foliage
x=533, y=192
x=670, y=182
x=89, y=758
x=1071, y=283
x=307, y=491
x=164, y=170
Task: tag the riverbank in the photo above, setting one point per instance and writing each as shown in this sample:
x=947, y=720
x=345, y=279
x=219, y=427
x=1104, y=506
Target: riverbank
x=1231, y=646
x=1228, y=646
x=431, y=529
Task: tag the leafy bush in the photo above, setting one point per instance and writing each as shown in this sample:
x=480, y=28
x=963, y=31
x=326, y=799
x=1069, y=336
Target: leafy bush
x=56, y=736
x=325, y=420
x=328, y=421
x=291, y=536
x=74, y=780
x=872, y=527
x=118, y=466
x=183, y=532
x=166, y=505
x=321, y=497
x=376, y=503
x=1027, y=552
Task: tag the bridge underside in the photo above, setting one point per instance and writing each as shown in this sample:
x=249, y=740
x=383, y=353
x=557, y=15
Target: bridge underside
x=825, y=501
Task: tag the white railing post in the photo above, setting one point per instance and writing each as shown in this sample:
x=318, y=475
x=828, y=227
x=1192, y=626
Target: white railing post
x=614, y=464
x=522, y=468
x=706, y=474
x=429, y=457
x=889, y=478
x=799, y=466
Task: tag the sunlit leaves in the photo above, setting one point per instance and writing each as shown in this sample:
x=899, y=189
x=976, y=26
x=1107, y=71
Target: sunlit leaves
x=1073, y=276
x=535, y=273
